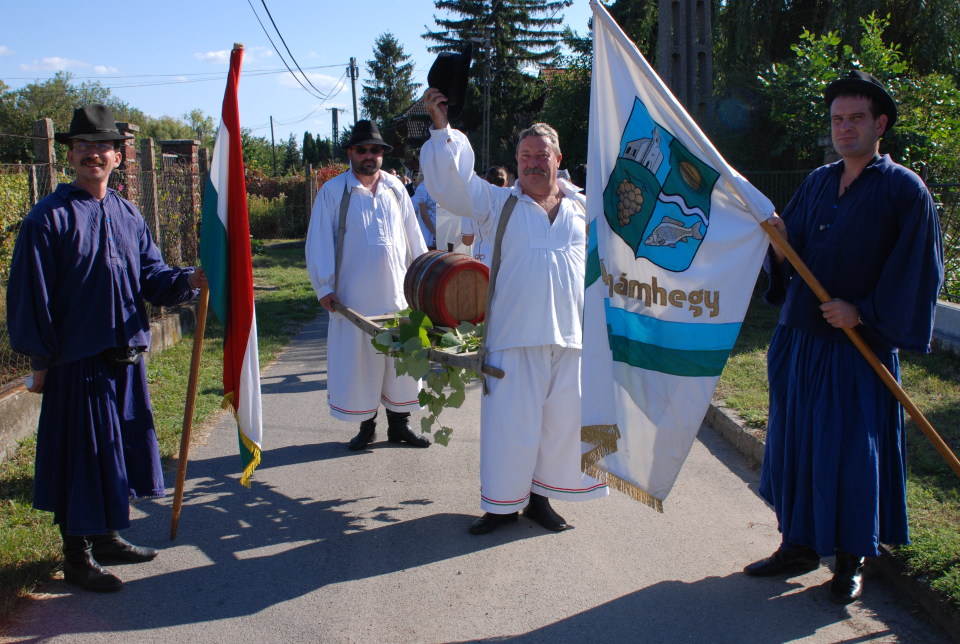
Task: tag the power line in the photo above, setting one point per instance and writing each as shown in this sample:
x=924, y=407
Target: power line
x=264, y=2
x=284, y=60
x=219, y=74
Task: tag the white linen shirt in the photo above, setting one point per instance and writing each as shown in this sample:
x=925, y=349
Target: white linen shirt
x=422, y=196
x=539, y=291
x=374, y=260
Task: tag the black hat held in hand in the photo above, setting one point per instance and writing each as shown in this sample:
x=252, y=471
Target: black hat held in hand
x=367, y=133
x=92, y=123
x=865, y=84
x=450, y=74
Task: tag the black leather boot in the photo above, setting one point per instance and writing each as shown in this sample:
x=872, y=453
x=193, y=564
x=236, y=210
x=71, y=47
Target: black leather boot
x=540, y=511
x=398, y=430
x=489, y=522
x=81, y=569
x=367, y=430
x=847, y=584
x=788, y=558
x=111, y=548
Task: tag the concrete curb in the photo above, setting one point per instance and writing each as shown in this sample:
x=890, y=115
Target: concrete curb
x=20, y=410
x=916, y=589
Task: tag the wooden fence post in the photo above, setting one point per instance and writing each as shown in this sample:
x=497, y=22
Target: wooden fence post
x=34, y=196
x=44, y=154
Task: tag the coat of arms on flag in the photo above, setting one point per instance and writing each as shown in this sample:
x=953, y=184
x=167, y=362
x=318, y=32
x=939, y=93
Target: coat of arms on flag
x=657, y=199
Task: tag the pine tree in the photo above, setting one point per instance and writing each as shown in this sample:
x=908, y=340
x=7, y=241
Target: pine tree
x=390, y=88
x=292, y=161
x=310, y=150
x=524, y=36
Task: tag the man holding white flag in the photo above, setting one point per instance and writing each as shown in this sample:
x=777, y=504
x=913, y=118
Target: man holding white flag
x=674, y=251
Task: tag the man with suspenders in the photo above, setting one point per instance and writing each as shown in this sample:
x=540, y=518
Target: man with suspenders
x=530, y=420
x=363, y=235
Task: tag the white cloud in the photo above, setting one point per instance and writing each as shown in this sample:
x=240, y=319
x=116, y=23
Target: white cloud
x=5, y=51
x=53, y=64
x=103, y=69
x=322, y=82
x=222, y=57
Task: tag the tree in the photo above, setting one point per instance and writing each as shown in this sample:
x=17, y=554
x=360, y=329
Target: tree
x=310, y=150
x=391, y=88
x=324, y=150
x=524, y=37
x=291, y=161
x=257, y=152
x=928, y=129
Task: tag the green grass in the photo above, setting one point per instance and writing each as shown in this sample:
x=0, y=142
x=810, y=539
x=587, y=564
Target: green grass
x=933, y=490
x=29, y=542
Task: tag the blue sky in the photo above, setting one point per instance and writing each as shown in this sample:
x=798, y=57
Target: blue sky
x=176, y=40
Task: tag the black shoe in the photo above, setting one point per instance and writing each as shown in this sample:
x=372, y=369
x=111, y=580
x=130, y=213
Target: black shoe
x=788, y=557
x=540, y=511
x=367, y=430
x=81, y=569
x=111, y=547
x=398, y=430
x=847, y=584
x=489, y=522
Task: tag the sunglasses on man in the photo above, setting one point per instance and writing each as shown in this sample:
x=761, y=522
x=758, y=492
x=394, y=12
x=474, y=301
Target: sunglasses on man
x=362, y=149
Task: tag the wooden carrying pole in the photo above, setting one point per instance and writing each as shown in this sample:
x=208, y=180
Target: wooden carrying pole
x=460, y=360
x=867, y=352
x=188, y=411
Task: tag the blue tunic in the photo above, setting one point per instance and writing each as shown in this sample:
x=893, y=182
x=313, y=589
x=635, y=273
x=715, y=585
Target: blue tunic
x=81, y=271
x=834, y=464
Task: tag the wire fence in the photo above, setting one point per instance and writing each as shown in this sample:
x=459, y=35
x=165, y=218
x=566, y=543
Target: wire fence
x=947, y=198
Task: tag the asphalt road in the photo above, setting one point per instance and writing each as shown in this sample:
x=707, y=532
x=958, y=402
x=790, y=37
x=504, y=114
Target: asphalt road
x=336, y=546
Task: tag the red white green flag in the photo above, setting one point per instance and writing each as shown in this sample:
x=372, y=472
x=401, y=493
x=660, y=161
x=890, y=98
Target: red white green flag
x=225, y=256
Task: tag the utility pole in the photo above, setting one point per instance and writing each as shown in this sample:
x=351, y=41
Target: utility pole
x=273, y=146
x=336, y=130
x=486, y=43
x=354, y=73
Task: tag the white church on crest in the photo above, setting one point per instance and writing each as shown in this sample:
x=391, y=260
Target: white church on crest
x=646, y=152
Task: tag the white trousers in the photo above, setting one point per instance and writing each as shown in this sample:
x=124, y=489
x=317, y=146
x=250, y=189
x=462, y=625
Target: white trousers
x=359, y=378
x=530, y=430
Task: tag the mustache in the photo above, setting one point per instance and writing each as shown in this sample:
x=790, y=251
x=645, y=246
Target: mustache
x=534, y=171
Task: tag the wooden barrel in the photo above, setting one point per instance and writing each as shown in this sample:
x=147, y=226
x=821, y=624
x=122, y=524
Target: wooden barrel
x=449, y=287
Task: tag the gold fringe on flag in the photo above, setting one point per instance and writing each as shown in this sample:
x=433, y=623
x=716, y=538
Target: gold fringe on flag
x=624, y=487
x=249, y=444
x=606, y=435
x=593, y=456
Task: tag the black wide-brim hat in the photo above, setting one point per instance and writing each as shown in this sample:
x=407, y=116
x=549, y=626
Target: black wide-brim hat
x=866, y=85
x=367, y=133
x=450, y=74
x=92, y=123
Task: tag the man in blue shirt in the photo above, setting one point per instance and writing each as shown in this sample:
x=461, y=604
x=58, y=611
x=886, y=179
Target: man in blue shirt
x=83, y=264
x=834, y=464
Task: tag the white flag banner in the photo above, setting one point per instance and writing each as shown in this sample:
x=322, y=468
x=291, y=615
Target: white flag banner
x=674, y=250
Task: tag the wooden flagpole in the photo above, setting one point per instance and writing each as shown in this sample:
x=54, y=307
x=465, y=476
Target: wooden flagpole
x=188, y=411
x=867, y=352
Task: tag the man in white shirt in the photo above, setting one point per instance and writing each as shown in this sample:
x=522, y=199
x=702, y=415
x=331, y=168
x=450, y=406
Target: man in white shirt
x=530, y=421
x=380, y=240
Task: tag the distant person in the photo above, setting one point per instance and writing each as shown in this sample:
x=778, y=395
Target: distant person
x=511, y=174
x=83, y=265
x=497, y=176
x=427, y=210
x=579, y=177
x=380, y=240
x=834, y=464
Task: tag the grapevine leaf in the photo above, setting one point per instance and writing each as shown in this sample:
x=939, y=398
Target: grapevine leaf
x=424, y=398
x=455, y=399
x=426, y=423
x=401, y=366
x=383, y=341
x=450, y=340
x=444, y=376
x=437, y=385
x=417, y=364
x=456, y=380
x=442, y=436
x=466, y=328
x=420, y=320
x=437, y=404
x=412, y=346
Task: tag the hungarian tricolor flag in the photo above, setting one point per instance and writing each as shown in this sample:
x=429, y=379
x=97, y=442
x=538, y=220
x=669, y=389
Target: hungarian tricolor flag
x=225, y=256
